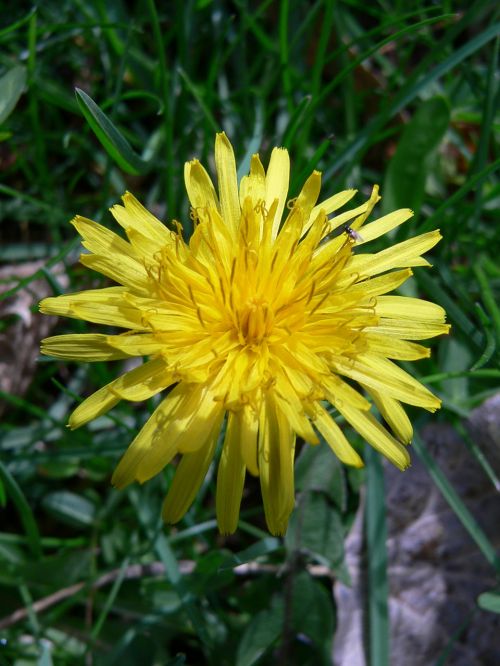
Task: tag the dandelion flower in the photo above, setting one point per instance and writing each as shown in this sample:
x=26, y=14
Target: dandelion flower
x=265, y=325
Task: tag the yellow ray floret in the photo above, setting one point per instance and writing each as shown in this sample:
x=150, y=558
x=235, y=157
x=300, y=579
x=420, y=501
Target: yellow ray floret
x=269, y=326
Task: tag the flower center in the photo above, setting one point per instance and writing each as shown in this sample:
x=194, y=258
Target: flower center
x=255, y=321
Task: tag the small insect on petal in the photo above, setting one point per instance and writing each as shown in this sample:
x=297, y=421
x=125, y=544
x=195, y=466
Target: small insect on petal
x=352, y=234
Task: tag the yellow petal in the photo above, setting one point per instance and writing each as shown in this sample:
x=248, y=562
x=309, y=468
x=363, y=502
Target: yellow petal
x=381, y=284
x=402, y=255
x=371, y=203
x=153, y=436
x=405, y=307
x=227, y=181
x=339, y=392
x=199, y=186
x=376, y=435
x=230, y=478
x=286, y=472
x=277, y=180
x=190, y=438
x=335, y=438
x=137, y=384
x=82, y=347
x=128, y=273
x=189, y=476
x=360, y=214
x=384, y=224
x=307, y=198
x=194, y=412
x=137, y=344
x=276, y=452
x=60, y=306
x=333, y=203
x=151, y=378
x=111, y=255
x=100, y=306
x=290, y=406
x=133, y=215
x=383, y=375
x=248, y=427
x=148, y=251
x=394, y=414
x=391, y=347
x=342, y=219
x=94, y=406
x=408, y=330
x=254, y=185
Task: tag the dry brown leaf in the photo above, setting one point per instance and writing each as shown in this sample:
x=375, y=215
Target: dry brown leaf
x=436, y=571
x=20, y=339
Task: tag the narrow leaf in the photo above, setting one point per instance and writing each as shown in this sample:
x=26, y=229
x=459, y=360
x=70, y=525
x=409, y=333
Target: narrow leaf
x=11, y=88
x=70, y=508
x=23, y=508
x=407, y=171
x=457, y=505
x=112, y=140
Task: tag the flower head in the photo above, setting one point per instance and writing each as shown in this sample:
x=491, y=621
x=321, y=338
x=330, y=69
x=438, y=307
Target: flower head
x=264, y=321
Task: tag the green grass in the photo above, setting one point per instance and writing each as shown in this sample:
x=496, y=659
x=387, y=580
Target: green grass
x=400, y=94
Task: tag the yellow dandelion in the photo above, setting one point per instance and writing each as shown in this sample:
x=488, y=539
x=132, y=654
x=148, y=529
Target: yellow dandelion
x=268, y=327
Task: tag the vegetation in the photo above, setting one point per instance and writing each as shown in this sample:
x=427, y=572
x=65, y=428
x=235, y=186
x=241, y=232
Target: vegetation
x=97, y=98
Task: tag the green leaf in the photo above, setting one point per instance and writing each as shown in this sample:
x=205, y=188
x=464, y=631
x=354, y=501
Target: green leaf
x=312, y=611
x=316, y=528
x=12, y=557
x=260, y=634
x=318, y=469
x=209, y=575
x=407, y=171
x=60, y=469
x=455, y=357
x=489, y=601
x=70, y=508
x=63, y=568
x=11, y=88
x=408, y=93
x=250, y=554
x=112, y=140
x=45, y=658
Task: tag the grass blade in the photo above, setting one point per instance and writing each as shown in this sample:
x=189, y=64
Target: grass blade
x=25, y=514
x=111, y=139
x=376, y=535
x=471, y=184
x=457, y=505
